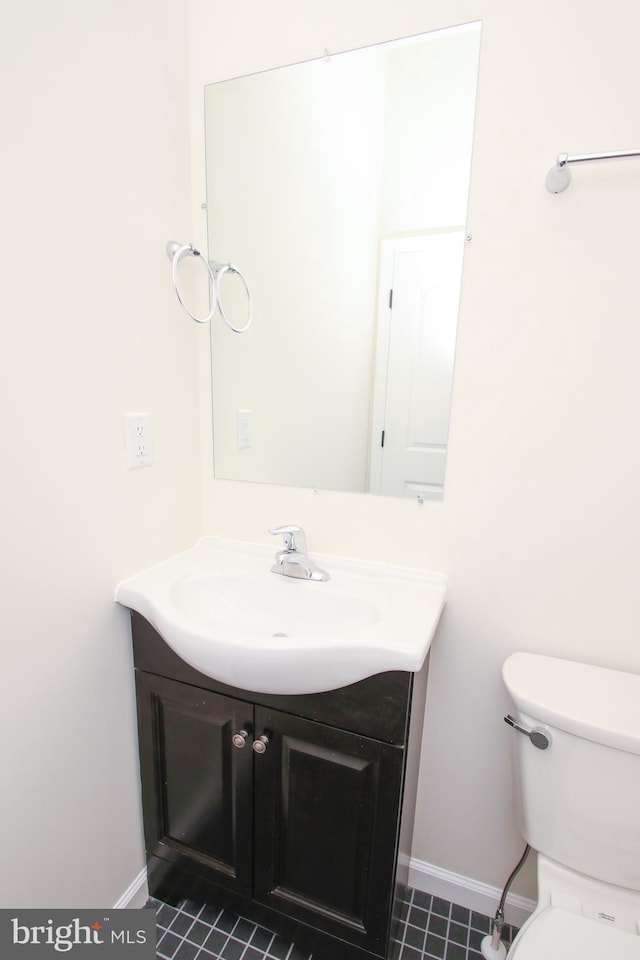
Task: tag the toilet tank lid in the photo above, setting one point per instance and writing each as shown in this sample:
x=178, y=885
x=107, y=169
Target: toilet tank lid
x=592, y=702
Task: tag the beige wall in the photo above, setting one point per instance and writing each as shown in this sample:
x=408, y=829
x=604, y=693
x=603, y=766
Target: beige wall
x=539, y=527
x=94, y=181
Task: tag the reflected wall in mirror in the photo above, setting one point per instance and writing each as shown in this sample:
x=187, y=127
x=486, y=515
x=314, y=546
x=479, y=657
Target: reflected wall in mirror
x=330, y=184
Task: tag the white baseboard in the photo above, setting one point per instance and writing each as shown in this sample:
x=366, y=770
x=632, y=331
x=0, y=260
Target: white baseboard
x=464, y=891
x=136, y=894
x=467, y=892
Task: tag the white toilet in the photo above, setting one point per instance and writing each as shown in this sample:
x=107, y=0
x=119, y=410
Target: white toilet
x=577, y=790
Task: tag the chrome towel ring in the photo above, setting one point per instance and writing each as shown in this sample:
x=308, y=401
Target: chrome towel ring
x=176, y=252
x=219, y=270
x=215, y=270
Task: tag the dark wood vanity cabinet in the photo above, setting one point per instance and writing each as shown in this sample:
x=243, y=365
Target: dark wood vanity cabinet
x=197, y=789
x=296, y=811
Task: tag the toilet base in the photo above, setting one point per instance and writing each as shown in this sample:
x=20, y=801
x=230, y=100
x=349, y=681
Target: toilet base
x=564, y=894
x=560, y=887
x=557, y=934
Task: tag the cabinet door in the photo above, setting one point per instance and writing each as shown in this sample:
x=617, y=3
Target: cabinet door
x=327, y=804
x=196, y=786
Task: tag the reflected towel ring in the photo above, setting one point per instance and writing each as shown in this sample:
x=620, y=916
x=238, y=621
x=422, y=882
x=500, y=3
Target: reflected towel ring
x=219, y=270
x=215, y=270
x=175, y=252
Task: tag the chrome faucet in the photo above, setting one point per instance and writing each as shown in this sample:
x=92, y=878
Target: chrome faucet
x=293, y=560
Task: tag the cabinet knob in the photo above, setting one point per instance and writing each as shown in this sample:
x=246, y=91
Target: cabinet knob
x=260, y=745
x=239, y=739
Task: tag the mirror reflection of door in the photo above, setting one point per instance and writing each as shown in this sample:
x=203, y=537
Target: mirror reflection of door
x=417, y=317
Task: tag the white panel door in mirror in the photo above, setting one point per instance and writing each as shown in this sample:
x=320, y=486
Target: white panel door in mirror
x=418, y=312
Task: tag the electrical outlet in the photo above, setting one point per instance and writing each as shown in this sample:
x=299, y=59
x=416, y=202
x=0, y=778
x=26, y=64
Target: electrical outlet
x=137, y=428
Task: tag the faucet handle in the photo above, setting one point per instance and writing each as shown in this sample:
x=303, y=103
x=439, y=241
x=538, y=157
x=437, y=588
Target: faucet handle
x=293, y=536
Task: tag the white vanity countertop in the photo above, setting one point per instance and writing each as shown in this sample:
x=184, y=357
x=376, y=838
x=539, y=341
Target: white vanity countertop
x=221, y=610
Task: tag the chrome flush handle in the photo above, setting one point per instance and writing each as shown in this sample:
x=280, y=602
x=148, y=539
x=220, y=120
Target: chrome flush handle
x=539, y=737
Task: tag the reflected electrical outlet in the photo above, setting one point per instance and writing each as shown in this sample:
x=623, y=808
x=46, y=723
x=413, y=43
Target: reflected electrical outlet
x=245, y=428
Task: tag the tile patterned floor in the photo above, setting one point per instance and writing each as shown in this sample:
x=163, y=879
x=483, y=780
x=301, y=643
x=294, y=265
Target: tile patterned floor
x=432, y=928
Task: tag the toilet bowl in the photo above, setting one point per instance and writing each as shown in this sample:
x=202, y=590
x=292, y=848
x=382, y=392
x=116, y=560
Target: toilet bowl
x=576, y=773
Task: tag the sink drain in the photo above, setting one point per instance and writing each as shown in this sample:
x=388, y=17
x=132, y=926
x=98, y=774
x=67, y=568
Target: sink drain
x=279, y=634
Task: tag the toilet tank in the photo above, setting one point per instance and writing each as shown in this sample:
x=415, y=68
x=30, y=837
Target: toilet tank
x=578, y=801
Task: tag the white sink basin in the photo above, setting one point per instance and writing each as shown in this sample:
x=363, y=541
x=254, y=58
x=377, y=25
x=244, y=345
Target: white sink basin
x=221, y=610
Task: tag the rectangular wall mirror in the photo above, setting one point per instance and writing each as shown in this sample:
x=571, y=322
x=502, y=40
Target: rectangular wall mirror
x=339, y=188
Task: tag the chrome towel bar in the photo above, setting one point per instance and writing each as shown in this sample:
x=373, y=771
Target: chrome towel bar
x=559, y=177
